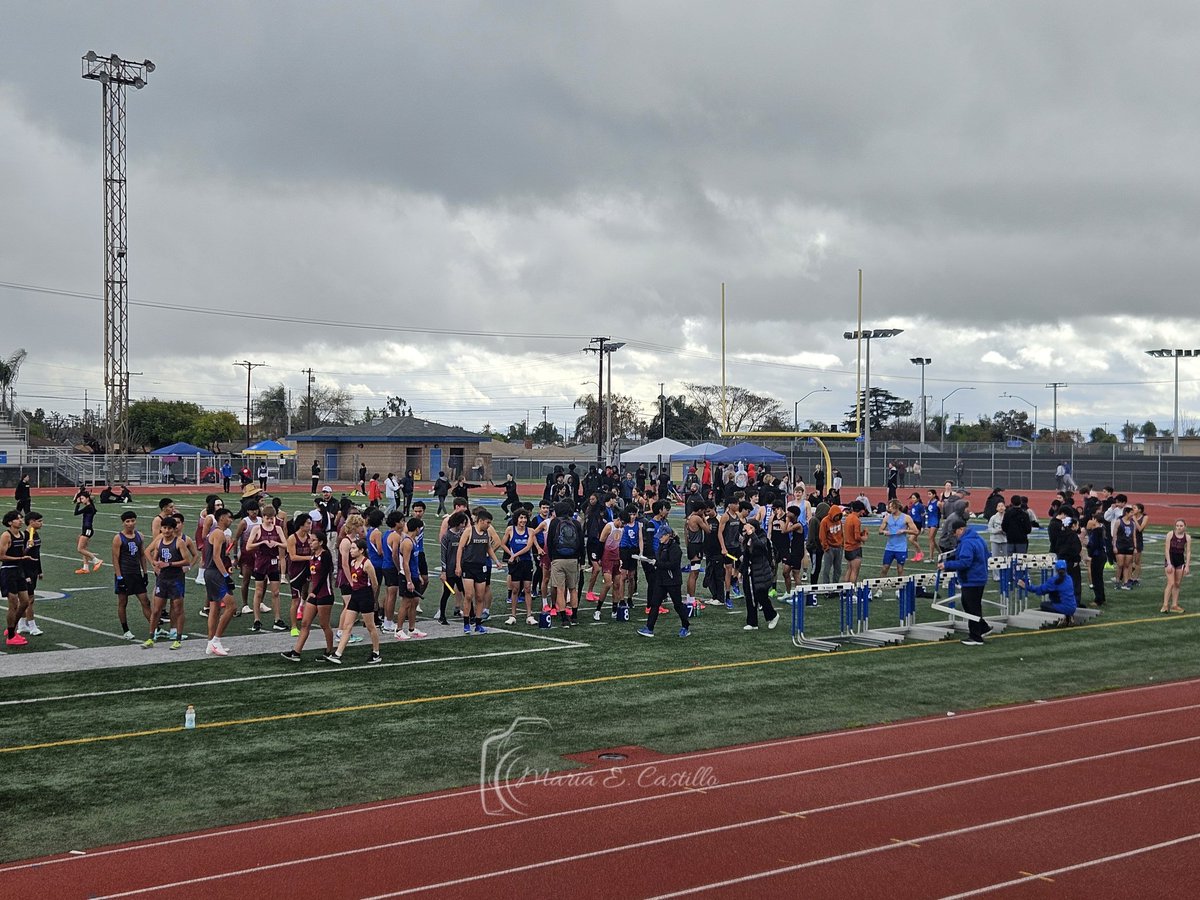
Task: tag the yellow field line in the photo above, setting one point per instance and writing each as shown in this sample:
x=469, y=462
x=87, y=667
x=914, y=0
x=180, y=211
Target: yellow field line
x=577, y=682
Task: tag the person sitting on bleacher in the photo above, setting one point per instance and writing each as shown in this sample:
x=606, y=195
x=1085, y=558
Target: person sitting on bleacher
x=1059, y=592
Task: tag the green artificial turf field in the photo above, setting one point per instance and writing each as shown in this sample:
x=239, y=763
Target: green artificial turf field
x=100, y=756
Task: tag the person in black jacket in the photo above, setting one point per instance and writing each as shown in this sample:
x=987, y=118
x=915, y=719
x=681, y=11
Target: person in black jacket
x=22, y=495
x=441, y=490
x=406, y=488
x=1016, y=526
x=1070, y=550
x=511, y=500
x=758, y=569
x=993, y=499
x=668, y=580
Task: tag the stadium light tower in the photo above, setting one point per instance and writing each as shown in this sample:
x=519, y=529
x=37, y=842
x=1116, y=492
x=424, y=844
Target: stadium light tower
x=868, y=335
x=114, y=75
x=1176, y=354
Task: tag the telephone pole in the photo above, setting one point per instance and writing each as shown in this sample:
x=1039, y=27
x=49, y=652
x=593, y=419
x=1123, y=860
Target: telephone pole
x=1056, y=385
x=250, y=366
x=309, y=373
x=600, y=343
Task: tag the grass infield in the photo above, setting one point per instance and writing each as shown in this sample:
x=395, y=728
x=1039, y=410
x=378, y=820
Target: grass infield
x=118, y=766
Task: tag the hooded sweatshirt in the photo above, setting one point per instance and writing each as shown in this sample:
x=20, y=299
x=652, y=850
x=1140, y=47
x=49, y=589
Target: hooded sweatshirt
x=831, y=529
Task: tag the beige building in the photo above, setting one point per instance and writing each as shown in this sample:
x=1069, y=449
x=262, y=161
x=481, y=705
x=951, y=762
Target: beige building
x=395, y=444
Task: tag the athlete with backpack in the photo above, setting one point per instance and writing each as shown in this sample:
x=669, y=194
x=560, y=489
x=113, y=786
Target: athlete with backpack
x=564, y=543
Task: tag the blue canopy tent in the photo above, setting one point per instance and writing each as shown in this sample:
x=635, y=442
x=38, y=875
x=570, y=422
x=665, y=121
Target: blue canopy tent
x=700, y=451
x=181, y=448
x=268, y=448
x=747, y=452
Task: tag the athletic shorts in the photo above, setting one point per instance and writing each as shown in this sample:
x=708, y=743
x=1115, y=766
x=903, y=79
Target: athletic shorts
x=407, y=594
x=391, y=577
x=521, y=569
x=610, y=562
x=855, y=554
x=453, y=582
x=628, y=563
x=169, y=589
x=899, y=557
x=344, y=588
x=323, y=600
x=12, y=581
x=361, y=601
x=1123, y=549
x=595, y=549
x=271, y=573
x=215, y=588
x=795, y=558
x=87, y=531
x=299, y=586
x=781, y=546
x=475, y=572
x=135, y=583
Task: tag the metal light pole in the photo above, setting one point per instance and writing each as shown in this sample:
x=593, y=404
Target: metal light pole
x=796, y=423
x=1032, y=443
x=1056, y=385
x=921, y=361
x=114, y=75
x=608, y=349
x=867, y=335
x=1176, y=354
x=942, y=427
x=599, y=351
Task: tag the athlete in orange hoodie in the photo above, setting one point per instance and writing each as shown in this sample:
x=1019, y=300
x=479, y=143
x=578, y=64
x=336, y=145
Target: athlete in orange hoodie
x=854, y=535
x=832, y=543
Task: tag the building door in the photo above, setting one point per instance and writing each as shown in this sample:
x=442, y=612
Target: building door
x=331, y=463
x=457, y=461
x=435, y=463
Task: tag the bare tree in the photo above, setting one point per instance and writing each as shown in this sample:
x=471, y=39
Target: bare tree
x=744, y=409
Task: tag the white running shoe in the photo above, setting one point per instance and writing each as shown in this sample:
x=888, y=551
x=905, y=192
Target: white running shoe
x=402, y=635
x=33, y=629
x=531, y=620
x=129, y=636
x=749, y=628
x=511, y=620
x=388, y=626
x=246, y=608
x=262, y=608
x=208, y=649
x=596, y=617
x=416, y=634
x=22, y=628
x=219, y=650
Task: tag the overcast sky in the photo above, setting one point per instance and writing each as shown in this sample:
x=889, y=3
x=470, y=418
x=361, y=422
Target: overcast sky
x=1017, y=181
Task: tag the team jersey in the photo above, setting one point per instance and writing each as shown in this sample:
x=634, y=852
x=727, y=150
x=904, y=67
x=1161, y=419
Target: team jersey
x=897, y=537
x=129, y=558
x=449, y=544
x=376, y=556
x=518, y=541
x=476, y=551
x=170, y=553
x=629, y=534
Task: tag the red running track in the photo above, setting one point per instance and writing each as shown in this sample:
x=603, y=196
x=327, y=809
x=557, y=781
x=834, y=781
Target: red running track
x=1088, y=796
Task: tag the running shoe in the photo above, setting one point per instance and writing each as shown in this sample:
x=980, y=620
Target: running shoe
x=511, y=620
x=532, y=620
x=466, y=627
x=356, y=639
x=292, y=656
x=919, y=556
x=97, y=564
x=129, y=636
x=662, y=610
x=332, y=658
x=279, y=625
x=219, y=649
x=22, y=628
x=295, y=632
x=774, y=621
x=374, y=658
x=972, y=642
x=729, y=606
x=442, y=620
x=596, y=617
x=417, y=634
x=401, y=634
x=684, y=632
x=204, y=611
x=645, y=632
x=772, y=593
x=487, y=614
x=175, y=645
x=749, y=628
x=82, y=571
x=18, y=641
x=246, y=608
x=479, y=629
x=389, y=626
x=262, y=607
x=592, y=596
x=256, y=627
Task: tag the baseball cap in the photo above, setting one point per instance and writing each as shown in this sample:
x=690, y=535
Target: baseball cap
x=1060, y=565
x=326, y=490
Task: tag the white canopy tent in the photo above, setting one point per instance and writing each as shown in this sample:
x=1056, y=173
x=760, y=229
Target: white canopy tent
x=653, y=452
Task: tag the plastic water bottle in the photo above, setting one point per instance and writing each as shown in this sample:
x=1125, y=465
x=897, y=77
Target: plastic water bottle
x=189, y=717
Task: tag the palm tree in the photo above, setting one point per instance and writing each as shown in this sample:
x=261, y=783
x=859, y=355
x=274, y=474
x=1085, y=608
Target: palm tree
x=9, y=369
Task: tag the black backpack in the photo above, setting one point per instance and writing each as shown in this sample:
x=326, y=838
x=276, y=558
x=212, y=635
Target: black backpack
x=567, y=539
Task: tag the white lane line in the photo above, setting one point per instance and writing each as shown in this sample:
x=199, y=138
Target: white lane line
x=924, y=839
x=111, y=634
x=329, y=670
x=704, y=754
x=1076, y=867
x=621, y=848
x=67, y=646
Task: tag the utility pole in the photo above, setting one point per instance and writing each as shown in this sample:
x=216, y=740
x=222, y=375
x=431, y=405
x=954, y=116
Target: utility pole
x=114, y=75
x=600, y=343
x=662, y=406
x=1056, y=385
x=250, y=366
x=309, y=373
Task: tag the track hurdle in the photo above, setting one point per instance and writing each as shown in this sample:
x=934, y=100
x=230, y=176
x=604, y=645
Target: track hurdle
x=909, y=627
x=847, y=606
x=870, y=589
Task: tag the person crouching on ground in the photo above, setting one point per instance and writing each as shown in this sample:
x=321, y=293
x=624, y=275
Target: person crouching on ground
x=1059, y=592
x=970, y=561
x=757, y=570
